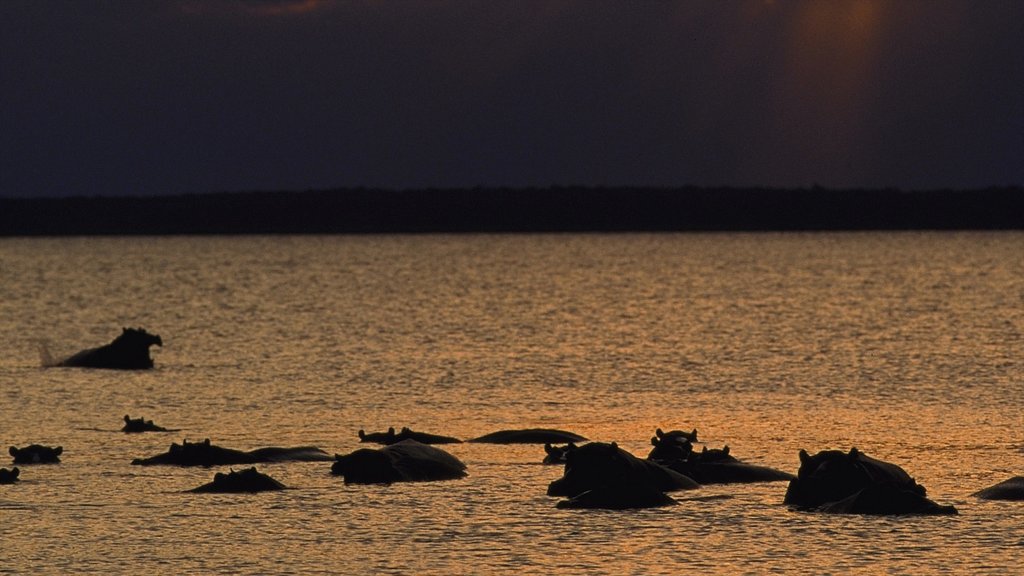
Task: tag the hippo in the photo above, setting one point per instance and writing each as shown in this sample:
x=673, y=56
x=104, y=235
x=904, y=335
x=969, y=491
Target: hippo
x=556, y=454
x=36, y=454
x=709, y=466
x=140, y=425
x=1011, y=489
x=610, y=497
x=378, y=437
x=9, y=476
x=390, y=437
x=206, y=454
x=129, y=351
x=854, y=483
x=529, y=436
x=248, y=480
x=405, y=461
x=676, y=435
x=598, y=465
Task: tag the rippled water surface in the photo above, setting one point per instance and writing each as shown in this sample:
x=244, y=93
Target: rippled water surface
x=908, y=346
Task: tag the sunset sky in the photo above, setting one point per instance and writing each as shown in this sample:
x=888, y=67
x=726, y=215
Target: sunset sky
x=174, y=96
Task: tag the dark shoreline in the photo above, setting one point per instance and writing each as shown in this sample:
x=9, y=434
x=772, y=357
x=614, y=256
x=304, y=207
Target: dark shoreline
x=505, y=210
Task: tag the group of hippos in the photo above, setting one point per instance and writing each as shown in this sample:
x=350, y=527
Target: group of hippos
x=596, y=474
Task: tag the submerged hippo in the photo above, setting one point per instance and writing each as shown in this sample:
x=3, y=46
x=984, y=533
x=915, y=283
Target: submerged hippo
x=248, y=480
x=598, y=465
x=709, y=466
x=390, y=437
x=1011, y=489
x=140, y=425
x=405, y=461
x=129, y=351
x=9, y=476
x=206, y=454
x=854, y=483
x=529, y=436
x=36, y=454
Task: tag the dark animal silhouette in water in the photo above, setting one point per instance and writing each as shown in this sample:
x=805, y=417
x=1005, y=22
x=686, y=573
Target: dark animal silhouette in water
x=529, y=436
x=141, y=425
x=129, y=351
x=248, y=480
x=851, y=482
x=206, y=454
x=36, y=454
x=676, y=435
x=405, y=461
x=1010, y=489
x=600, y=475
x=390, y=437
x=9, y=476
x=556, y=454
x=714, y=466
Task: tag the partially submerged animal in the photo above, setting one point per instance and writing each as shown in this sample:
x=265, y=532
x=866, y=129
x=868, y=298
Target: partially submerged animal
x=405, y=461
x=556, y=454
x=1010, y=489
x=206, y=454
x=854, y=483
x=140, y=425
x=600, y=475
x=129, y=351
x=248, y=480
x=9, y=476
x=36, y=454
x=390, y=437
x=709, y=466
x=529, y=436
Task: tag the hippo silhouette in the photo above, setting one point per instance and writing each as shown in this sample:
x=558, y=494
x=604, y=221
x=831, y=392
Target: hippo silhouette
x=140, y=425
x=390, y=437
x=405, y=461
x=556, y=454
x=598, y=465
x=378, y=437
x=529, y=436
x=36, y=454
x=1011, y=489
x=206, y=454
x=709, y=466
x=129, y=351
x=676, y=435
x=248, y=480
x=854, y=483
x=9, y=476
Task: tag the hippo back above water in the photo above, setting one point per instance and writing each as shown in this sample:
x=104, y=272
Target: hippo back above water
x=129, y=351
x=206, y=454
x=529, y=436
x=405, y=461
x=36, y=454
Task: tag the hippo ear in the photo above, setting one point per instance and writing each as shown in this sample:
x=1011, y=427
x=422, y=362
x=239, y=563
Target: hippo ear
x=127, y=419
x=362, y=434
x=547, y=448
x=615, y=444
x=804, y=456
x=854, y=452
x=15, y=472
x=659, y=433
x=725, y=450
x=206, y=442
x=14, y=451
x=57, y=451
x=693, y=435
x=654, y=440
x=391, y=430
x=703, y=449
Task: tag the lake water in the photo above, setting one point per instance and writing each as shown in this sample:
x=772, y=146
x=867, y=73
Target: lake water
x=906, y=345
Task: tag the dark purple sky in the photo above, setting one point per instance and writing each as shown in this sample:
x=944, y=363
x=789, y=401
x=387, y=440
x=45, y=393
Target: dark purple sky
x=152, y=97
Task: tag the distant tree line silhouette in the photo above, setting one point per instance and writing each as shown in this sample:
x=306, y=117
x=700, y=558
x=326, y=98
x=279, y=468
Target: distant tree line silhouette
x=554, y=209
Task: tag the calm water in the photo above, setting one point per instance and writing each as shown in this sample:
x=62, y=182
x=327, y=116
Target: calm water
x=908, y=346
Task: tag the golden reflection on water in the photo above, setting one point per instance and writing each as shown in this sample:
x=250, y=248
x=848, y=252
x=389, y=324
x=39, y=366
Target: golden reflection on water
x=907, y=346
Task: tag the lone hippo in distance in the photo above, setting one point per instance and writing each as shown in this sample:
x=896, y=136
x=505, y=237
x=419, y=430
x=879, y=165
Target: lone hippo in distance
x=206, y=454
x=129, y=351
x=838, y=482
x=389, y=437
x=9, y=476
x=1011, y=489
x=140, y=425
x=36, y=454
x=405, y=461
x=529, y=436
x=248, y=480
